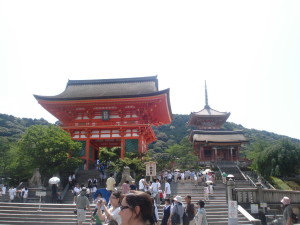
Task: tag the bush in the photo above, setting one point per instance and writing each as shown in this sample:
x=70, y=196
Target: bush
x=279, y=184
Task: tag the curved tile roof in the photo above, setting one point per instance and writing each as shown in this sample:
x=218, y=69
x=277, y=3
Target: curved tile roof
x=106, y=88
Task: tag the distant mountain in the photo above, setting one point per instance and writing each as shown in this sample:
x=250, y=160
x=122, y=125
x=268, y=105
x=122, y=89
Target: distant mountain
x=174, y=132
x=13, y=127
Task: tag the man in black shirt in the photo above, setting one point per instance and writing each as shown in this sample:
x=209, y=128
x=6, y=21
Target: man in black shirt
x=189, y=210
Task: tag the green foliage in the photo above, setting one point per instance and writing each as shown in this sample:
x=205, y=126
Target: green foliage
x=50, y=149
x=293, y=185
x=134, y=161
x=5, y=155
x=177, y=155
x=13, y=127
x=279, y=159
x=278, y=183
x=109, y=154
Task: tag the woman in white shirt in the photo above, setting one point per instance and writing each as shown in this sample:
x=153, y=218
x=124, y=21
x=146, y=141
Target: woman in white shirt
x=112, y=213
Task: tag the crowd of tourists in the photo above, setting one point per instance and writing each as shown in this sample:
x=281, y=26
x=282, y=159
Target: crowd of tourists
x=138, y=203
x=14, y=194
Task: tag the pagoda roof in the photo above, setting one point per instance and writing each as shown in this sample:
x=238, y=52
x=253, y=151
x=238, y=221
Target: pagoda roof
x=200, y=119
x=207, y=111
x=219, y=136
x=107, y=88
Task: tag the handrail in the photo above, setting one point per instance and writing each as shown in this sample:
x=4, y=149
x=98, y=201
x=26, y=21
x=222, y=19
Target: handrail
x=248, y=216
x=251, y=181
x=241, y=172
x=62, y=196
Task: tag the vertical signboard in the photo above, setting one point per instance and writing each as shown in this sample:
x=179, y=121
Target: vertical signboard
x=150, y=169
x=232, y=213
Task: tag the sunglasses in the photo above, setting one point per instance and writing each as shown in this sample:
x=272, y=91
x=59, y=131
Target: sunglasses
x=124, y=207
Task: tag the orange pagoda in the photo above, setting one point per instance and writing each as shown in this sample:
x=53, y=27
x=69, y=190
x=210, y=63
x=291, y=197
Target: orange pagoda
x=110, y=113
x=210, y=141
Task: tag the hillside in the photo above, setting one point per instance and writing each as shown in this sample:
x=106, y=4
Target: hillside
x=174, y=132
x=13, y=127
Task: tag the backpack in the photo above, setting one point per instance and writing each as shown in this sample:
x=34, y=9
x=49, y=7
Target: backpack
x=175, y=218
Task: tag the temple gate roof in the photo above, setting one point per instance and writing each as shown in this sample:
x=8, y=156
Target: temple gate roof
x=107, y=88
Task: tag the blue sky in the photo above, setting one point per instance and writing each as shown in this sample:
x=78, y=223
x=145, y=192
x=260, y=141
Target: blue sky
x=247, y=51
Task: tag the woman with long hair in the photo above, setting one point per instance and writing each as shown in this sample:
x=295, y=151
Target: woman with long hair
x=136, y=209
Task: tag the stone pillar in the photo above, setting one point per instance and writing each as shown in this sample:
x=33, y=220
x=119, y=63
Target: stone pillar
x=230, y=187
x=260, y=194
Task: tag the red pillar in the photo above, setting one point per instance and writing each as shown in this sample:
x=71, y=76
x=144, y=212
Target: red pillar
x=87, y=154
x=140, y=144
x=122, y=148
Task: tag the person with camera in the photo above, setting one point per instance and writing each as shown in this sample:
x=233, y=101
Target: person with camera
x=112, y=213
x=99, y=215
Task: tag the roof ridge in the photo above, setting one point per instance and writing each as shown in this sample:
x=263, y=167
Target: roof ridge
x=112, y=80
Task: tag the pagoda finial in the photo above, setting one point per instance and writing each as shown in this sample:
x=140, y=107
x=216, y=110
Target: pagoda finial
x=206, y=98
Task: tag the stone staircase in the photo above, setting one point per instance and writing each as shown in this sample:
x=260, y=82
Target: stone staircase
x=216, y=207
x=29, y=213
x=33, y=213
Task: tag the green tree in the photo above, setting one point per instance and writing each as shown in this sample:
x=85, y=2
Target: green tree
x=50, y=149
x=279, y=159
x=5, y=158
x=183, y=154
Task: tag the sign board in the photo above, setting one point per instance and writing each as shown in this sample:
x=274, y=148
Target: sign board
x=150, y=169
x=263, y=205
x=232, y=213
x=40, y=193
x=254, y=208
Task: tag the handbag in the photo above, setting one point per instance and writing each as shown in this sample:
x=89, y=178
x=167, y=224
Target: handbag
x=175, y=218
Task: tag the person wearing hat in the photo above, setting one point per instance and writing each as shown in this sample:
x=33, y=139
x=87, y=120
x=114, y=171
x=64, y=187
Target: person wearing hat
x=200, y=218
x=177, y=209
x=82, y=202
x=287, y=211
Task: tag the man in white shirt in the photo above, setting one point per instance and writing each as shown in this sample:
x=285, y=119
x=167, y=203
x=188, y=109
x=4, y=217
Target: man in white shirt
x=156, y=189
x=142, y=184
x=168, y=189
x=76, y=192
x=3, y=192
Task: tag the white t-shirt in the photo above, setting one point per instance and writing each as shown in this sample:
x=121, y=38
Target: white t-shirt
x=167, y=188
x=3, y=190
x=76, y=190
x=25, y=195
x=141, y=184
x=155, y=187
x=11, y=192
x=116, y=216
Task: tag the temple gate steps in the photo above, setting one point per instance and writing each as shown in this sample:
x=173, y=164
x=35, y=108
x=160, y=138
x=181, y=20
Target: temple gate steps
x=216, y=207
x=28, y=213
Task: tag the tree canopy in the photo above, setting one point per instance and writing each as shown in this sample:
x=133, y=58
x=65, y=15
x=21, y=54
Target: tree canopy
x=50, y=149
x=279, y=159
